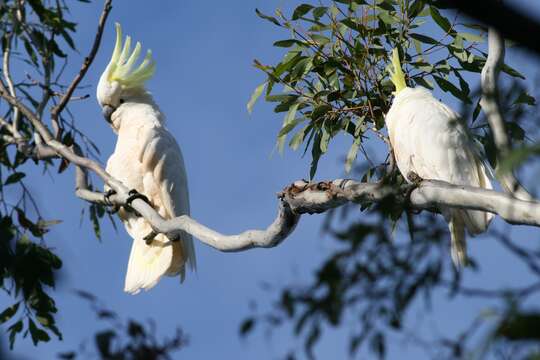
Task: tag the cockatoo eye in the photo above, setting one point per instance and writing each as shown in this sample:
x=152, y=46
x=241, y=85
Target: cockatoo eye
x=122, y=101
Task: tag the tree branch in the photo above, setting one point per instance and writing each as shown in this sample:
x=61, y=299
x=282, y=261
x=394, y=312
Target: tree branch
x=14, y=128
x=490, y=105
x=86, y=64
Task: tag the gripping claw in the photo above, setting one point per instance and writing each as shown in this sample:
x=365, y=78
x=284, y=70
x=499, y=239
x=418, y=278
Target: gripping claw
x=134, y=194
x=114, y=208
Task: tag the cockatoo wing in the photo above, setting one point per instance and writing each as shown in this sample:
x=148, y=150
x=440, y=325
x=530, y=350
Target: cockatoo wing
x=165, y=184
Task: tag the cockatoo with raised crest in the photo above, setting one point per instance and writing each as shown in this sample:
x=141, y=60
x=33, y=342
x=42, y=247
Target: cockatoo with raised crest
x=429, y=140
x=148, y=160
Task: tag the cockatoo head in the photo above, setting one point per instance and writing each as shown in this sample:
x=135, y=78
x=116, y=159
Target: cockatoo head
x=119, y=79
x=396, y=73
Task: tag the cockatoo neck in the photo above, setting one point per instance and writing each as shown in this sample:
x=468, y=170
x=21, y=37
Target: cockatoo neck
x=137, y=108
x=408, y=93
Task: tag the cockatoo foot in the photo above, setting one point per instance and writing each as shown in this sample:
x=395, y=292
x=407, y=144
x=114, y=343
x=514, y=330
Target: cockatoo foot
x=106, y=198
x=134, y=194
x=414, y=178
x=415, y=183
x=150, y=237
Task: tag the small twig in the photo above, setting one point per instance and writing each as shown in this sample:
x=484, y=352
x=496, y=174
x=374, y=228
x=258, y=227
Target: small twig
x=55, y=112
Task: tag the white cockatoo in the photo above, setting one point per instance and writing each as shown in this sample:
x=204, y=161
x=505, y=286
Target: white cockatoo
x=148, y=160
x=429, y=140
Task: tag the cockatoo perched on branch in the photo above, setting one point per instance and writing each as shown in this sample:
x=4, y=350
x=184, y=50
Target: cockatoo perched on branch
x=430, y=141
x=148, y=160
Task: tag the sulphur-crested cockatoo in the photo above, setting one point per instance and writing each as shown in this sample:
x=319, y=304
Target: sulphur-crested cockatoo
x=148, y=160
x=430, y=141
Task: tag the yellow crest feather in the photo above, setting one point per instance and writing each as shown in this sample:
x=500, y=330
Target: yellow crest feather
x=396, y=73
x=121, y=64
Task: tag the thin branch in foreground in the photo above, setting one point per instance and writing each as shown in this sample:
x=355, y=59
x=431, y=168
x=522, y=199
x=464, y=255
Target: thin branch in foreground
x=490, y=105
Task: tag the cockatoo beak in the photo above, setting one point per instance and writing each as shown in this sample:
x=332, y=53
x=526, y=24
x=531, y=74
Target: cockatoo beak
x=107, y=112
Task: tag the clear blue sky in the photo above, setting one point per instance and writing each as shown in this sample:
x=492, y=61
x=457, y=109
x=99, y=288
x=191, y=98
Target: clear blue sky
x=204, y=52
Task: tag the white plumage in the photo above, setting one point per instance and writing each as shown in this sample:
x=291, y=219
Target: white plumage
x=148, y=160
x=430, y=140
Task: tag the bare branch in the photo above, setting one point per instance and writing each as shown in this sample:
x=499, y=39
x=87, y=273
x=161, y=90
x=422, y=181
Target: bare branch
x=303, y=197
x=14, y=128
x=490, y=105
x=86, y=64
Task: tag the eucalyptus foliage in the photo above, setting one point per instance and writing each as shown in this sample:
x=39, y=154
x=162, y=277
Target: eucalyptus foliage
x=36, y=38
x=333, y=76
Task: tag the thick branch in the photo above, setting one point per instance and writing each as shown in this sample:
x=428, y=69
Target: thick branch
x=490, y=105
x=303, y=197
x=318, y=197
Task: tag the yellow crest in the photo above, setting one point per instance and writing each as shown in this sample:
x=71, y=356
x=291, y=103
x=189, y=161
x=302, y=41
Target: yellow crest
x=121, y=64
x=396, y=73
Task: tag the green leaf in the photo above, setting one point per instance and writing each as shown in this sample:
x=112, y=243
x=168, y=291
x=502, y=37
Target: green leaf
x=247, y=326
x=301, y=10
x=512, y=72
x=315, y=155
x=301, y=68
x=289, y=126
x=267, y=17
x=298, y=138
x=519, y=327
x=288, y=43
x=103, y=342
x=447, y=86
x=288, y=121
x=525, y=98
x=36, y=333
x=325, y=140
x=15, y=177
x=476, y=111
x=518, y=156
x=319, y=111
x=471, y=37
x=415, y=8
x=351, y=155
x=256, y=94
x=319, y=12
x=312, y=338
x=440, y=20
x=9, y=312
x=387, y=18
x=13, y=330
x=320, y=39
x=423, y=38
x=95, y=221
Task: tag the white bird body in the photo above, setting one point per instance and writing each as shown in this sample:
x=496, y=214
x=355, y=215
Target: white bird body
x=429, y=140
x=147, y=159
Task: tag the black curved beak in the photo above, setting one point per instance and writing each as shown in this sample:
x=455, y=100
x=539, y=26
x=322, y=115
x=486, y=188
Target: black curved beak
x=107, y=112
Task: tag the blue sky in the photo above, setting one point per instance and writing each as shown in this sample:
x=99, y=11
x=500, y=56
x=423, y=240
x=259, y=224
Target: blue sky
x=204, y=78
